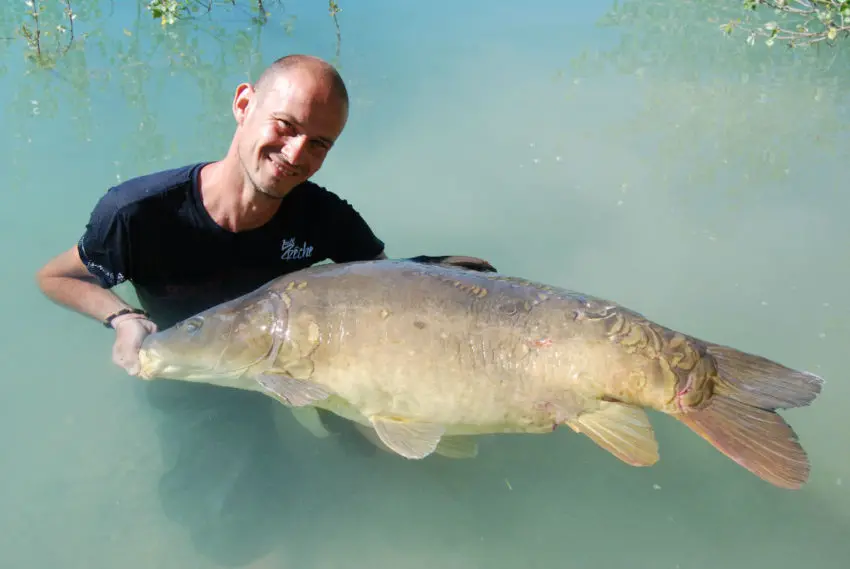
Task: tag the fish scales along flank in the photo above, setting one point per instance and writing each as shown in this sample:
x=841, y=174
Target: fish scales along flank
x=424, y=356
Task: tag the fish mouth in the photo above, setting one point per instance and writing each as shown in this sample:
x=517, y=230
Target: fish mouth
x=150, y=365
x=155, y=365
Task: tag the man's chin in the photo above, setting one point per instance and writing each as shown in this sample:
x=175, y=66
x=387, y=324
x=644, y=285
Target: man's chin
x=277, y=190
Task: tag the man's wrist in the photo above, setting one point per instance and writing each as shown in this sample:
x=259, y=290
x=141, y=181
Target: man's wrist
x=112, y=320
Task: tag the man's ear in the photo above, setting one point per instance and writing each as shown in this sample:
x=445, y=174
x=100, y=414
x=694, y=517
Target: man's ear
x=244, y=95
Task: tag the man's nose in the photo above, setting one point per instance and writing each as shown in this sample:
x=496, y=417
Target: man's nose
x=295, y=148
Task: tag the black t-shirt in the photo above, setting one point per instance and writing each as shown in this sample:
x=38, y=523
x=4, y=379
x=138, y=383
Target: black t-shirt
x=155, y=232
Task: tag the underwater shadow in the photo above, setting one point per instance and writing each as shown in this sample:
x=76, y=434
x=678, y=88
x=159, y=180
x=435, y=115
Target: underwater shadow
x=530, y=500
x=230, y=480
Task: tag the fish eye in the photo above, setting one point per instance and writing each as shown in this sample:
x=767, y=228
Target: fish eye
x=193, y=325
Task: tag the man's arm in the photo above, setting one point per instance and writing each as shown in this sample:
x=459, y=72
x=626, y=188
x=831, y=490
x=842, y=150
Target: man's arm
x=66, y=281
x=82, y=277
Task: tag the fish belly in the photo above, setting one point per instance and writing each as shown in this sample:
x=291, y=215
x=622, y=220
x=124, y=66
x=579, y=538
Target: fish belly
x=492, y=363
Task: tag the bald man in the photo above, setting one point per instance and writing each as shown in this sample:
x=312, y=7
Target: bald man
x=191, y=237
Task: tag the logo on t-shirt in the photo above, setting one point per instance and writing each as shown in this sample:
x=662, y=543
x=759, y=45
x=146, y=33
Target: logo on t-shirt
x=291, y=252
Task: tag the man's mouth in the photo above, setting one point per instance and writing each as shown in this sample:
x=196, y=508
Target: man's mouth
x=283, y=168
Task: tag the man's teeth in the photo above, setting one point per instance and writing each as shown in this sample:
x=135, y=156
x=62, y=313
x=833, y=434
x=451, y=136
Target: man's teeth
x=285, y=168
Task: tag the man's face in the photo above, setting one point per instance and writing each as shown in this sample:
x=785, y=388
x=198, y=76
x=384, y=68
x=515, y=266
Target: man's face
x=285, y=132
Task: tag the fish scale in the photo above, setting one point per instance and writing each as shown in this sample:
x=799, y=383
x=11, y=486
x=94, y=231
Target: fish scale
x=424, y=355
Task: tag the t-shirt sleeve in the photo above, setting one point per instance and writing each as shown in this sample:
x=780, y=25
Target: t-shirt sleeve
x=349, y=236
x=104, y=246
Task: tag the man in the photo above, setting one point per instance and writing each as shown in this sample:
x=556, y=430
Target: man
x=191, y=237
x=194, y=236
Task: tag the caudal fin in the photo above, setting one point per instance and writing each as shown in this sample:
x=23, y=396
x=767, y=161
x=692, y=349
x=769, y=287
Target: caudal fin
x=760, y=382
x=740, y=419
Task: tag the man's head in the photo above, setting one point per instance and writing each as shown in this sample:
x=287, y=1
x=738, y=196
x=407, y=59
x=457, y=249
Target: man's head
x=287, y=121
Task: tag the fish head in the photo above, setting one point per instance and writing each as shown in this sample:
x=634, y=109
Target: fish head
x=219, y=344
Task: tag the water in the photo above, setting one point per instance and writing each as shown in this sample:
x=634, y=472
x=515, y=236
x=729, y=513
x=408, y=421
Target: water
x=647, y=160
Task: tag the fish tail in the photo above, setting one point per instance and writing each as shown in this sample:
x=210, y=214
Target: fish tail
x=740, y=419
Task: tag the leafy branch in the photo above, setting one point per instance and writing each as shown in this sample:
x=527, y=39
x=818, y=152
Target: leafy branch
x=799, y=23
x=169, y=11
x=334, y=9
x=33, y=35
x=43, y=19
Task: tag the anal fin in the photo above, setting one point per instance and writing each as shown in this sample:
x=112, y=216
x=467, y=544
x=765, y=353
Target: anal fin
x=622, y=430
x=409, y=439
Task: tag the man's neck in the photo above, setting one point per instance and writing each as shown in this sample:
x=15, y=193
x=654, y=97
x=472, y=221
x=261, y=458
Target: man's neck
x=231, y=200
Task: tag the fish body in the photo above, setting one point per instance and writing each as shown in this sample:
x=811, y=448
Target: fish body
x=428, y=355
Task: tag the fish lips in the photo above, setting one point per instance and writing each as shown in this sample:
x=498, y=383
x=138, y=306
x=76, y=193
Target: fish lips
x=150, y=364
x=155, y=365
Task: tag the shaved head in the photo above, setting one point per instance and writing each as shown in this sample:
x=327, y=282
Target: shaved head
x=316, y=67
x=287, y=122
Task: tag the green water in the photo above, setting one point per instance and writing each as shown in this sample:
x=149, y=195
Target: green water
x=651, y=161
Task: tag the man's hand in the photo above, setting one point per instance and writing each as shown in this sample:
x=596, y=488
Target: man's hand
x=130, y=332
x=461, y=261
x=66, y=281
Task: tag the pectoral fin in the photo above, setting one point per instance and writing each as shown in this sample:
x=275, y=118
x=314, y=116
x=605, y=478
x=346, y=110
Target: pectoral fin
x=457, y=447
x=410, y=440
x=308, y=417
x=290, y=391
x=622, y=430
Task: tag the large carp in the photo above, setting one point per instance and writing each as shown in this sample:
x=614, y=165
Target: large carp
x=426, y=354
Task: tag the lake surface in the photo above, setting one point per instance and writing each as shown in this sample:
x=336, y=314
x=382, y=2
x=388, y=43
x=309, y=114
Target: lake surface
x=642, y=157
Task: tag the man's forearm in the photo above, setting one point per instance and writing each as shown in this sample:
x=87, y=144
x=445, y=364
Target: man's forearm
x=65, y=281
x=83, y=296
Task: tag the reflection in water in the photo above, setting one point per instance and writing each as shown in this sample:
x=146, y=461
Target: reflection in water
x=227, y=478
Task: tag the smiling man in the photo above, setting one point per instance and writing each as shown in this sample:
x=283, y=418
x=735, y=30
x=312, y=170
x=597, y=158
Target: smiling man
x=194, y=236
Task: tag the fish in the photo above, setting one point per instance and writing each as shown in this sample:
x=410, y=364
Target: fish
x=424, y=355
